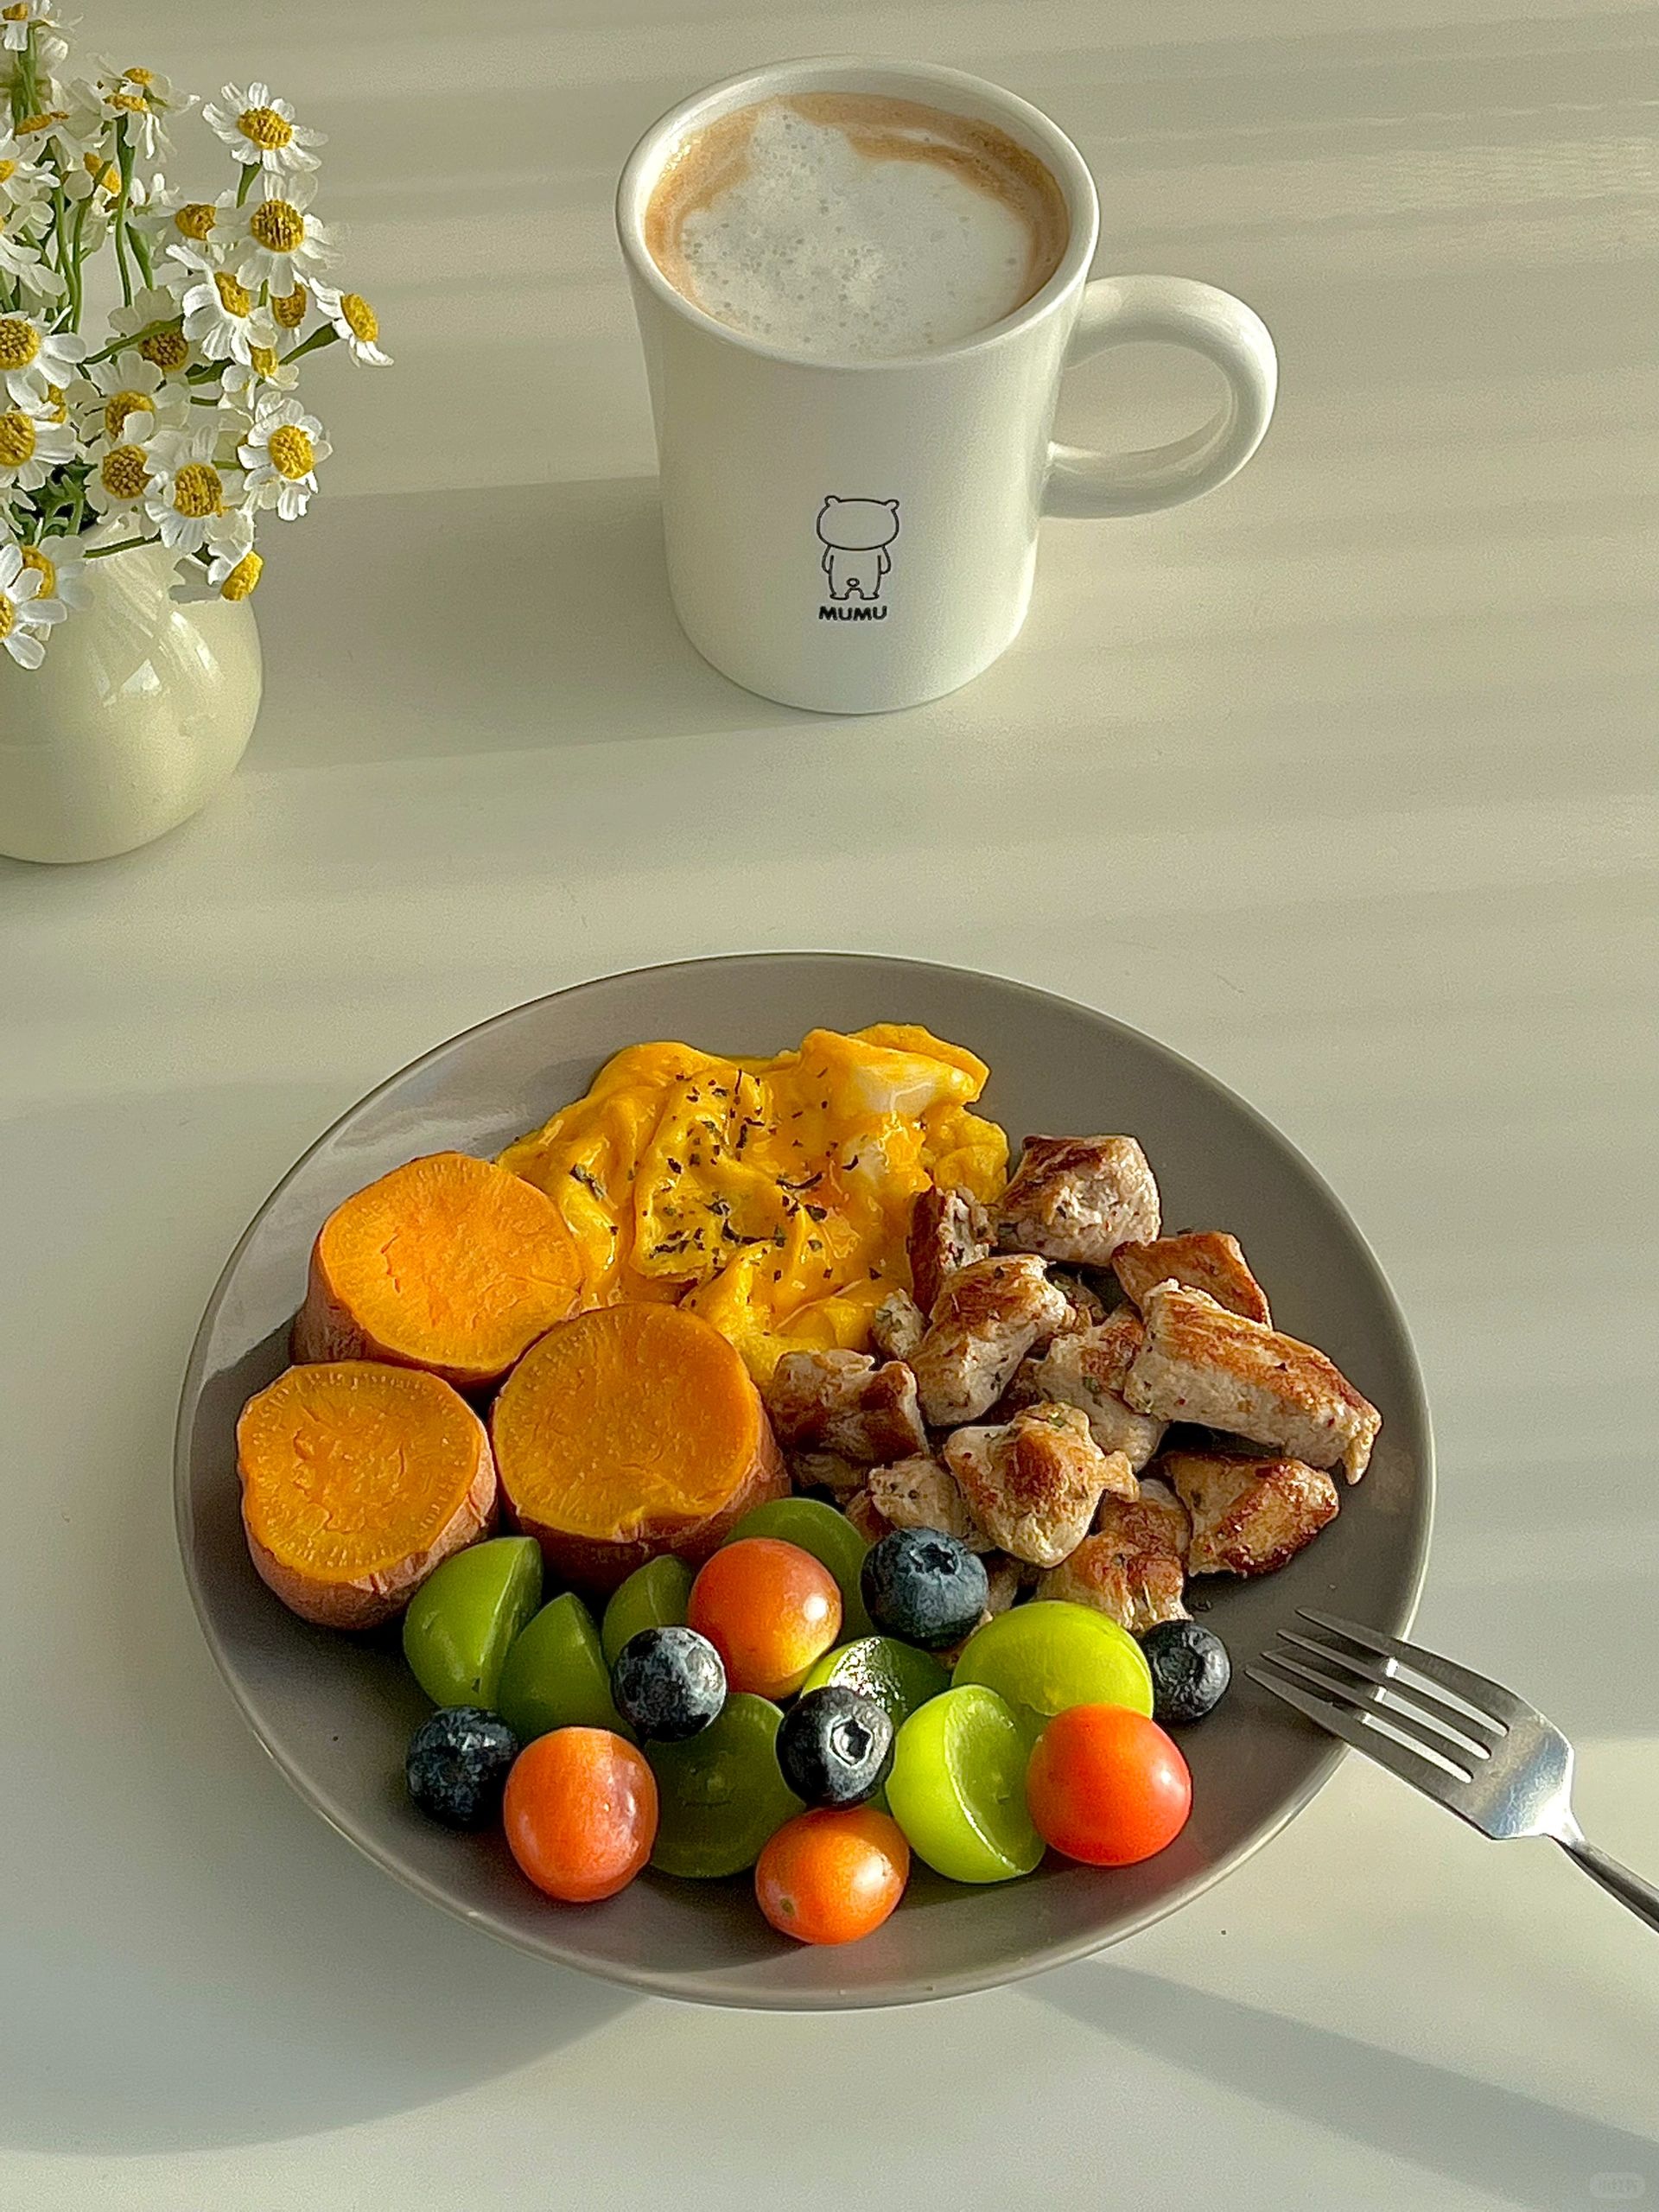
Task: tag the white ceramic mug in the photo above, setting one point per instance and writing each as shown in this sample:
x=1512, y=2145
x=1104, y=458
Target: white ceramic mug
x=767, y=457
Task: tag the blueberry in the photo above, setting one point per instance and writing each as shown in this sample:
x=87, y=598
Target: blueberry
x=668, y=1683
x=1189, y=1670
x=923, y=1588
x=836, y=1746
x=456, y=1766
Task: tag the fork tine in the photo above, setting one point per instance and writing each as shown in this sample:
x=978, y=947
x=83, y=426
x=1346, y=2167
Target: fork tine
x=1500, y=1707
x=1479, y=1735
x=1386, y=1750
x=1421, y=1734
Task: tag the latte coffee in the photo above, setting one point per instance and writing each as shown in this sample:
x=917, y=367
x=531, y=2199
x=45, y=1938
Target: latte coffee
x=852, y=225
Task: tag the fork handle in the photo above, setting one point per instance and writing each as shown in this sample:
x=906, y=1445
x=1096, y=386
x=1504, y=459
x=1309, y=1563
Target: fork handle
x=1631, y=1890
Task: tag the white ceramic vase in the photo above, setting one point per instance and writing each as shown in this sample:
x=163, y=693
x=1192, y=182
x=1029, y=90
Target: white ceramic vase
x=141, y=711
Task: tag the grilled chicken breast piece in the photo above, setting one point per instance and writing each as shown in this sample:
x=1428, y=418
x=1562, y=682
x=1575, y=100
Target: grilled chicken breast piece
x=1132, y=1567
x=1078, y=1198
x=948, y=1229
x=826, y=1470
x=866, y=1516
x=1088, y=1308
x=1088, y=1370
x=841, y=1402
x=984, y=1321
x=919, y=1493
x=1200, y=1259
x=1249, y=1516
x=1033, y=1483
x=898, y=1325
x=1201, y=1363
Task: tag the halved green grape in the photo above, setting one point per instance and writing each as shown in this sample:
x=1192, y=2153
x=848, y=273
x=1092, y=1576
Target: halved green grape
x=958, y=1787
x=654, y=1596
x=1044, y=1657
x=828, y=1534
x=555, y=1675
x=721, y=1793
x=465, y=1615
x=897, y=1675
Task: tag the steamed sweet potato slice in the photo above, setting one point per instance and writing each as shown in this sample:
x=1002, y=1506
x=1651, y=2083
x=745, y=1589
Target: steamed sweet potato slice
x=630, y=1431
x=450, y=1263
x=357, y=1481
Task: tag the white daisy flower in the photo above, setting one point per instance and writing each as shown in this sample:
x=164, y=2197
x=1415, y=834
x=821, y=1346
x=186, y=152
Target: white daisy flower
x=32, y=359
x=355, y=322
x=140, y=99
x=26, y=612
x=24, y=182
x=165, y=216
x=188, y=493
x=263, y=370
x=289, y=309
x=152, y=323
x=21, y=260
x=260, y=131
x=112, y=391
x=121, y=474
x=280, y=453
x=215, y=575
x=60, y=564
x=276, y=240
x=19, y=18
x=31, y=444
x=221, y=313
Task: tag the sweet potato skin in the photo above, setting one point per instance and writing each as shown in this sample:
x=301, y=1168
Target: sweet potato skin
x=367, y=1601
x=592, y=1565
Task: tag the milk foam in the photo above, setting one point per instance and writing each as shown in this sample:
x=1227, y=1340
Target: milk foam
x=851, y=242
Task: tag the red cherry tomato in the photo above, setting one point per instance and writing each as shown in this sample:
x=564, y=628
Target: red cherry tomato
x=581, y=1814
x=832, y=1877
x=769, y=1609
x=1107, y=1785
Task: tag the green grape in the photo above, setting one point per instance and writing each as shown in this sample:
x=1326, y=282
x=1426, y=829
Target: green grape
x=555, y=1675
x=957, y=1788
x=828, y=1534
x=465, y=1614
x=897, y=1675
x=722, y=1792
x=654, y=1596
x=1045, y=1656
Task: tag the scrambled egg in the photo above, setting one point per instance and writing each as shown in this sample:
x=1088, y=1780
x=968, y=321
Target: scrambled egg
x=772, y=1197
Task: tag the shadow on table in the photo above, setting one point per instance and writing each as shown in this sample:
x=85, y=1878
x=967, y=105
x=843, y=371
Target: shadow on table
x=1495, y=2140
x=424, y=626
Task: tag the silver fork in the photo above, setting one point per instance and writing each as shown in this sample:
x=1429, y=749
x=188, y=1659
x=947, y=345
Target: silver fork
x=1494, y=1760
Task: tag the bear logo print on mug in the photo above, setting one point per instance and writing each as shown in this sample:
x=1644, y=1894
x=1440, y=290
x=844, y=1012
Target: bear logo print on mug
x=874, y=275
x=855, y=535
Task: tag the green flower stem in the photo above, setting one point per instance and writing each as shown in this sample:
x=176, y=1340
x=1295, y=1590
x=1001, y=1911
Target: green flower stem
x=127, y=544
x=123, y=162
x=25, y=91
x=327, y=336
x=77, y=254
x=250, y=170
x=131, y=338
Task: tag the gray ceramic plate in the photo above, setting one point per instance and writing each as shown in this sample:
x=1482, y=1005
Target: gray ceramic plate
x=335, y=1713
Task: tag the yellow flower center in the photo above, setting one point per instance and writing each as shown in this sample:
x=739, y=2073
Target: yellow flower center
x=19, y=342
x=277, y=226
x=264, y=359
x=139, y=76
x=43, y=121
x=196, y=219
x=56, y=405
x=130, y=102
x=119, y=405
x=18, y=13
x=16, y=439
x=8, y=170
x=7, y=616
x=265, y=128
x=290, y=309
x=234, y=298
x=199, y=490
x=169, y=349
x=292, y=453
x=124, y=472
x=102, y=172
x=44, y=567
x=361, y=318
x=244, y=578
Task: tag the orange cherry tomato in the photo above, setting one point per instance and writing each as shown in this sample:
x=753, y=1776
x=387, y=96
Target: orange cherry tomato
x=770, y=1609
x=581, y=1814
x=1107, y=1785
x=832, y=1877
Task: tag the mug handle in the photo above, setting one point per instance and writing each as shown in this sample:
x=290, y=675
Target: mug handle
x=1168, y=311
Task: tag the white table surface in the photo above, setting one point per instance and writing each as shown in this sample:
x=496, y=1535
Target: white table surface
x=1341, y=782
